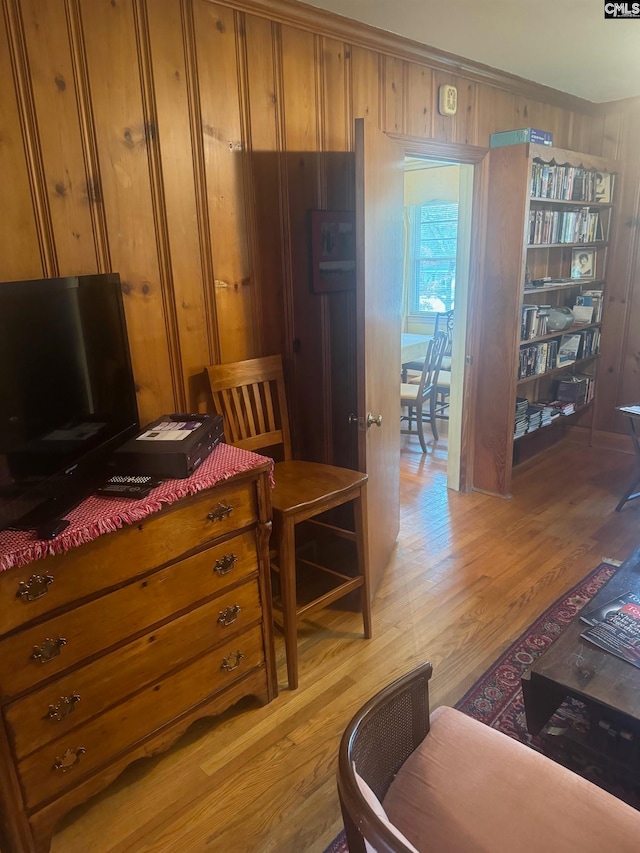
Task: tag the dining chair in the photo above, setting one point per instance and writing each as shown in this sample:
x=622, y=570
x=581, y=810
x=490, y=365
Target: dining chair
x=420, y=400
x=444, y=323
x=250, y=396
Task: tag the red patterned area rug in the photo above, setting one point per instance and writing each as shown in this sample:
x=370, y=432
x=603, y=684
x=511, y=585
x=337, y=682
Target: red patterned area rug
x=496, y=698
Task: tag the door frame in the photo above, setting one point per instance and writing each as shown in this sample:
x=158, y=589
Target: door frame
x=475, y=156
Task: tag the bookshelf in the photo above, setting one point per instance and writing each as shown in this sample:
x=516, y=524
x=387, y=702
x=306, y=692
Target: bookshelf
x=550, y=221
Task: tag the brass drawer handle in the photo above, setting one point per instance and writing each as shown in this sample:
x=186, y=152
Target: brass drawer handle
x=63, y=707
x=232, y=662
x=229, y=615
x=224, y=565
x=220, y=511
x=69, y=760
x=34, y=588
x=48, y=650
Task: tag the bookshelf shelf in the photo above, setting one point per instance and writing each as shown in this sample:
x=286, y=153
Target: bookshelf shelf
x=577, y=327
x=563, y=202
x=559, y=421
x=563, y=368
x=566, y=285
x=594, y=244
x=523, y=180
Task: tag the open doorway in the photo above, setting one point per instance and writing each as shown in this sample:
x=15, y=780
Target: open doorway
x=438, y=200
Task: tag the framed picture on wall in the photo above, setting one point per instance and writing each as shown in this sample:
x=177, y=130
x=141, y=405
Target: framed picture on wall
x=333, y=250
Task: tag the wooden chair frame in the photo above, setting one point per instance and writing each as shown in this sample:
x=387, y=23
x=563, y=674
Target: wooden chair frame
x=377, y=741
x=422, y=404
x=250, y=396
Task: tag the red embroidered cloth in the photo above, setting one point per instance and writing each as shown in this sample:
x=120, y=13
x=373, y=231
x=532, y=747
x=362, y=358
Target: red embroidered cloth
x=98, y=515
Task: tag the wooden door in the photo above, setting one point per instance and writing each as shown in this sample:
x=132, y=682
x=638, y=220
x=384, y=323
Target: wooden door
x=379, y=243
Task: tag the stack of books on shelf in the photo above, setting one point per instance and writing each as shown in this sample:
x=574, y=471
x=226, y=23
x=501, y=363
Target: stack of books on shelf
x=569, y=183
x=576, y=388
x=564, y=226
x=588, y=307
x=534, y=416
x=534, y=321
x=521, y=422
x=537, y=358
x=560, y=407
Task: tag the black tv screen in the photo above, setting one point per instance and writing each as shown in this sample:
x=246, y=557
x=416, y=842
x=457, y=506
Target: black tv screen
x=67, y=394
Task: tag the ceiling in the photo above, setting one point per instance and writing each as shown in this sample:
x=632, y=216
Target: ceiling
x=565, y=44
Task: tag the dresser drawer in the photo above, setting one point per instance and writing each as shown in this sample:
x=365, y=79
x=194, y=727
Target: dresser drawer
x=114, y=558
x=96, y=742
x=71, y=700
x=106, y=621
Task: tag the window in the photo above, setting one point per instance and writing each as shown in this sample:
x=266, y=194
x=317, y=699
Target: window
x=434, y=239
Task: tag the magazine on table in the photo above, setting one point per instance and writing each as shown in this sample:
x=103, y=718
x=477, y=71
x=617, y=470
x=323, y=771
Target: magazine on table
x=619, y=631
x=593, y=615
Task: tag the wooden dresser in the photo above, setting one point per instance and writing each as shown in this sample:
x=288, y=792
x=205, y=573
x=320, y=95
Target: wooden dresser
x=110, y=651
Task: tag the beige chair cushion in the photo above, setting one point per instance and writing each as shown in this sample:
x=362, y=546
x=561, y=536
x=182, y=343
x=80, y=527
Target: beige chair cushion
x=408, y=391
x=471, y=789
x=444, y=379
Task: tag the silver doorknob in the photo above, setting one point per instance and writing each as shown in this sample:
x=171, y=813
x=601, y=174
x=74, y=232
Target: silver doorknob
x=371, y=420
x=353, y=419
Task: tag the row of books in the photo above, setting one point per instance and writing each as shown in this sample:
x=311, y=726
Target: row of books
x=533, y=416
x=587, y=307
x=578, y=345
x=564, y=226
x=569, y=183
x=575, y=388
x=536, y=359
x=534, y=323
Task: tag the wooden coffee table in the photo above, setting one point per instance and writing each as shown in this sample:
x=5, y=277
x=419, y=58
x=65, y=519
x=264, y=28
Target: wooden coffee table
x=608, y=686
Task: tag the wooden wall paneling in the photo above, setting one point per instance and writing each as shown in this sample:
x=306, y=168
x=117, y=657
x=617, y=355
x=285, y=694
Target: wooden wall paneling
x=619, y=363
x=56, y=103
x=496, y=111
x=219, y=104
x=181, y=165
x=462, y=127
x=303, y=188
x=122, y=140
x=265, y=163
x=533, y=113
x=21, y=251
x=419, y=100
x=394, y=92
x=365, y=85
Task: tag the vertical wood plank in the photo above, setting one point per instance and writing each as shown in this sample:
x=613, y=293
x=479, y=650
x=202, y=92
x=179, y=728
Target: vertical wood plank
x=219, y=103
x=179, y=159
x=496, y=112
x=265, y=163
x=394, y=95
x=19, y=249
x=365, y=83
x=420, y=104
x=122, y=143
x=301, y=137
x=56, y=103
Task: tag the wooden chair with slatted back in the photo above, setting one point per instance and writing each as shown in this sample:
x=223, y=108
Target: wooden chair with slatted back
x=250, y=396
x=420, y=400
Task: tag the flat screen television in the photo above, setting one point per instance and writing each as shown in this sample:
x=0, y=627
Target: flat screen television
x=67, y=394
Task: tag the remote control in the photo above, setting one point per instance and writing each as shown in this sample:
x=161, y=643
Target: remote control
x=128, y=486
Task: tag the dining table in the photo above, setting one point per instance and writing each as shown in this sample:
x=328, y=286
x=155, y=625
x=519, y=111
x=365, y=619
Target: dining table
x=413, y=347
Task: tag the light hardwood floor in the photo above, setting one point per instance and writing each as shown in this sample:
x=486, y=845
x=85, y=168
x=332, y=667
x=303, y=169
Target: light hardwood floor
x=470, y=572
